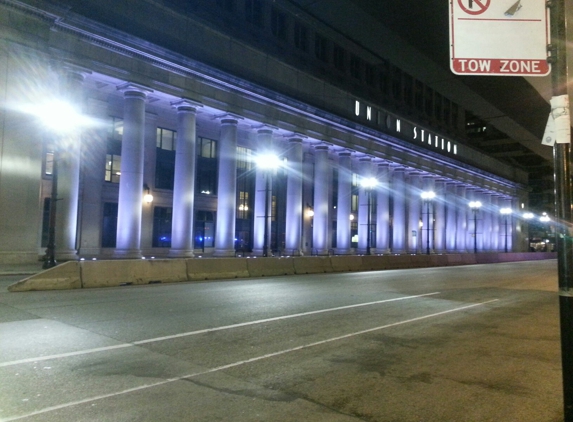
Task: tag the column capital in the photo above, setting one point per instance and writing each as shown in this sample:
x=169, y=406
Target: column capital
x=264, y=128
x=130, y=88
x=185, y=104
x=295, y=136
x=321, y=147
x=229, y=118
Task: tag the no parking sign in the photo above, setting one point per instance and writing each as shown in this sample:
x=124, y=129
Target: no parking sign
x=499, y=37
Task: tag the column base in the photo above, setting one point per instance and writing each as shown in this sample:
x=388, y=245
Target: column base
x=180, y=253
x=224, y=253
x=342, y=251
x=68, y=255
x=127, y=254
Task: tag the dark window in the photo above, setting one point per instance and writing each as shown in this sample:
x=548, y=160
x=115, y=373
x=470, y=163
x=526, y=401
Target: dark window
x=162, y=227
x=396, y=84
x=370, y=75
x=166, y=140
x=254, y=12
x=109, y=226
x=45, y=222
x=338, y=57
x=112, y=168
x=204, y=229
x=384, y=77
x=278, y=24
x=446, y=110
x=419, y=96
x=206, y=166
x=227, y=5
x=408, y=94
x=300, y=37
x=455, y=113
x=438, y=106
x=113, y=156
x=429, y=101
x=320, y=48
x=355, y=67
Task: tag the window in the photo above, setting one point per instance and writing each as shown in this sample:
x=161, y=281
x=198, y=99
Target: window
x=165, y=158
x=204, y=229
x=162, y=217
x=254, y=12
x=438, y=106
x=419, y=96
x=109, y=226
x=206, y=166
x=408, y=91
x=320, y=48
x=227, y=5
x=429, y=101
x=355, y=67
x=245, y=159
x=384, y=77
x=112, y=168
x=48, y=163
x=278, y=24
x=396, y=84
x=455, y=113
x=166, y=139
x=116, y=129
x=369, y=75
x=446, y=110
x=243, y=207
x=45, y=222
x=300, y=37
x=338, y=57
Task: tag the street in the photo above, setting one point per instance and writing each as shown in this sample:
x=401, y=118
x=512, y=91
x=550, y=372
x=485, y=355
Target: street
x=468, y=343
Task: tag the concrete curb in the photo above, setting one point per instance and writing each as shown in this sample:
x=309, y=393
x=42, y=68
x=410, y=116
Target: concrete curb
x=88, y=274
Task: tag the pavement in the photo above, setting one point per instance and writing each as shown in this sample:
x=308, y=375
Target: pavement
x=20, y=269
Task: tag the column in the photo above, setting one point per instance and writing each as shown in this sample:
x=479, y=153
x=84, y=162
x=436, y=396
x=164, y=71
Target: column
x=398, y=211
x=440, y=217
x=383, y=210
x=495, y=218
x=263, y=197
x=473, y=216
x=344, y=203
x=487, y=221
x=364, y=205
x=130, y=200
x=294, y=204
x=227, y=188
x=414, y=208
x=68, y=156
x=321, y=189
x=450, y=229
x=508, y=203
x=182, y=241
x=461, y=219
x=427, y=232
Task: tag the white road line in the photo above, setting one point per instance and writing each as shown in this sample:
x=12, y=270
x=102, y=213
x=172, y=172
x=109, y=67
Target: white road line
x=243, y=362
x=207, y=330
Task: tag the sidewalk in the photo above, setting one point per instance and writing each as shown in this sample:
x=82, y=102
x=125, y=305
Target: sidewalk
x=20, y=269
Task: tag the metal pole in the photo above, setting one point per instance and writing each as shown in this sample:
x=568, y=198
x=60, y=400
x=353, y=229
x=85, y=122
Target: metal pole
x=369, y=222
x=266, y=229
x=475, y=230
x=50, y=257
x=428, y=228
x=562, y=175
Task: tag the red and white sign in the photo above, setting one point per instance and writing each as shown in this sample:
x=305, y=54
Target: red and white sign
x=499, y=37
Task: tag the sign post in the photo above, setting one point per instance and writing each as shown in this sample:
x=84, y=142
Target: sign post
x=503, y=38
x=512, y=38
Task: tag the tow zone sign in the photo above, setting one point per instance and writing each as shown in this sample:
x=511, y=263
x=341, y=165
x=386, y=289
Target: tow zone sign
x=499, y=37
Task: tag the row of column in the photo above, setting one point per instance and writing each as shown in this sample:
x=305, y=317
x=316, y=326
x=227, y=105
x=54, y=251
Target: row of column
x=404, y=223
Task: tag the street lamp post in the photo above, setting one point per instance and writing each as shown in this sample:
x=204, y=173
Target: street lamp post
x=267, y=163
x=428, y=196
x=506, y=212
x=369, y=184
x=475, y=206
x=50, y=256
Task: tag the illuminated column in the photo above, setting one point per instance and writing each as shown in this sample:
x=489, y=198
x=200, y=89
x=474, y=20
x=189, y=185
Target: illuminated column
x=487, y=221
x=184, y=180
x=321, y=190
x=343, y=206
x=130, y=200
x=462, y=220
x=495, y=219
x=293, y=230
x=364, y=205
x=414, y=211
x=383, y=210
x=227, y=188
x=398, y=211
x=472, y=223
x=440, y=217
x=509, y=202
x=263, y=216
x=428, y=215
x=450, y=210
x=69, y=174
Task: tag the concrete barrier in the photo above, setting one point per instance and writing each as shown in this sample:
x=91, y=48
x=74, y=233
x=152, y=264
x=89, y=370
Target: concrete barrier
x=312, y=264
x=265, y=267
x=344, y=263
x=132, y=272
x=62, y=277
x=108, y=273
x=216, y=268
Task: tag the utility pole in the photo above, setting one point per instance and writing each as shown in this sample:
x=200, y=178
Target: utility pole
x=562, y=175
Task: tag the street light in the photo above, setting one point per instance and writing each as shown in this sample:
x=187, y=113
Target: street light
x=369, y=183
x=267, y=163
x=59, y=118
x=506, y=212
x=475, y=206
x=427, y=197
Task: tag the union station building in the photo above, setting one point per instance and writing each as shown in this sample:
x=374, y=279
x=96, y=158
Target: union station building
x=233, y=128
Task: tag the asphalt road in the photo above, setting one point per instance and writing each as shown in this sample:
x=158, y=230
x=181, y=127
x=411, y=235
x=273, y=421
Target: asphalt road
x=474, y=343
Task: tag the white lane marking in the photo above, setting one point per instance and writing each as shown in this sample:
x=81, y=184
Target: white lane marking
x=243, y=362
x=207, y=330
